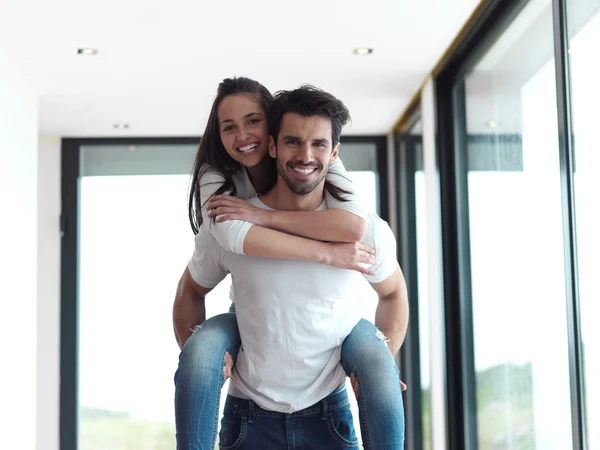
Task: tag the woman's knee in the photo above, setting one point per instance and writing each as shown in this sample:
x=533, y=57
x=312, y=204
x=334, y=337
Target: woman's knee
x=366, y=348
x=209, y=342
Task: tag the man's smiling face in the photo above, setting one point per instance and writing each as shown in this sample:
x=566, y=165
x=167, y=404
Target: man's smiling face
x=303, y=151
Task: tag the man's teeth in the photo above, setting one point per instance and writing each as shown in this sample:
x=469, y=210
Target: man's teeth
x=304, y=171
x=248, y=148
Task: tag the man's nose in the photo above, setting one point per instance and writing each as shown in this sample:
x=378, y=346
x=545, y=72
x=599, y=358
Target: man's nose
x=305, y=154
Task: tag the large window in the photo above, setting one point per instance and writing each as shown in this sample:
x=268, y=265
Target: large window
x=512, y=246
x=128, y=272
x=134, y=241
x=584, y=36
x=516, y=148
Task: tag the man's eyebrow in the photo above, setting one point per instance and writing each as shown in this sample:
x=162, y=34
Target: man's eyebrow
x=289, y=136
x=321, y=141
x=245, y=117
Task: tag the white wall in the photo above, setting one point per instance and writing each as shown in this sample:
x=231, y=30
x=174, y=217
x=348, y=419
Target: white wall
x=18, y=258
x=48, y=321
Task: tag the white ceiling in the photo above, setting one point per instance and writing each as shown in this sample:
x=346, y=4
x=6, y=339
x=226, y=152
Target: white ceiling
x=160, y=63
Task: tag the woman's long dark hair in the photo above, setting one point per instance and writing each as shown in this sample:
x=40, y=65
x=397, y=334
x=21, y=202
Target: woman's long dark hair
x=211, y=152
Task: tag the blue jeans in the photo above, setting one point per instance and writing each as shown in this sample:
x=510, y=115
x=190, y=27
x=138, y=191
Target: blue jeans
x=199, y=379
x=327, y=425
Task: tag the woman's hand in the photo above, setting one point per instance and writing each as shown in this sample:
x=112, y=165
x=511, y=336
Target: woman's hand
x=349, y=255
x=226, y=207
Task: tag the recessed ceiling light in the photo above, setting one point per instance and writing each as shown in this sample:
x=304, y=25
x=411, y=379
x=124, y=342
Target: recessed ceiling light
x=132, y=148
x=492, y=124
x=87, y=51
x=121, y=126
x=570, y=51
x=362, y=51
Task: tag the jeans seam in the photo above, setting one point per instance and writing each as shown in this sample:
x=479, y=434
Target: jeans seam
x=242, y=436
x=365, y=432
x=337, y=436
x=217, y=400
x=237, y=343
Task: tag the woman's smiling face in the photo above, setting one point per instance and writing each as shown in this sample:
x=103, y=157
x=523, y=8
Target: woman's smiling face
x=243, y=129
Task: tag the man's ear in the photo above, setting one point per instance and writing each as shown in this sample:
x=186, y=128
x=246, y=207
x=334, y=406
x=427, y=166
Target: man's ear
x=334, y=153
x=272, y=148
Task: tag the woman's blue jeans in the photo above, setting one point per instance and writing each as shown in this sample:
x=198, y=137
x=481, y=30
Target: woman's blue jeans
x=199, y=379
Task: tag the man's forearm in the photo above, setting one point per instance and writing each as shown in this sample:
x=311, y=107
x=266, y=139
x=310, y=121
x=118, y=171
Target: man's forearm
x=188, y=311
x=391, y=317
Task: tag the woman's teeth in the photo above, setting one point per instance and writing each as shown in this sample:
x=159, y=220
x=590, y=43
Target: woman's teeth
x=247, y=148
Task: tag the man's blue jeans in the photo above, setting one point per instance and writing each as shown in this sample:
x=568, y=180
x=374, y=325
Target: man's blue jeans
x=199, y=379
x=327, y=425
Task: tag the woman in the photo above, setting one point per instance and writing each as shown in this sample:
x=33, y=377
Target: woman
x=232, y=159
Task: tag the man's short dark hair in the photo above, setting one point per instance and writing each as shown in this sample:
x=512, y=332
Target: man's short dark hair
x=308, y=101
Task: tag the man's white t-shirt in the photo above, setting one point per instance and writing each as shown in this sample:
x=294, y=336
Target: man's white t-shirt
x=293, y=316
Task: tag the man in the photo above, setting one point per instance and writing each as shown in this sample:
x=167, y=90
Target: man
x=293, y=316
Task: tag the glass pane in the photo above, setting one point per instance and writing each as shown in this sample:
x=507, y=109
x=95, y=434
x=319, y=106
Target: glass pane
x=135, y=241
x=359, y=156
x=139, y=159
x=584, y=26
x=516, y=240
x=360, y=159
x=128, y=274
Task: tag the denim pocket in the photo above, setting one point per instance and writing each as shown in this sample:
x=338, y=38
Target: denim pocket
x=233, y=432
x=341, y=427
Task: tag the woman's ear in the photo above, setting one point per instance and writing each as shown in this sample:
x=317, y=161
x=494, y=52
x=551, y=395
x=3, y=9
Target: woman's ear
x=272, y=148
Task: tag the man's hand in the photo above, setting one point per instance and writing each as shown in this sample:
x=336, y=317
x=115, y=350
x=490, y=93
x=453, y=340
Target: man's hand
x=349, y=256
x=391, y=315
x=226, y=207
x=228, y=368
